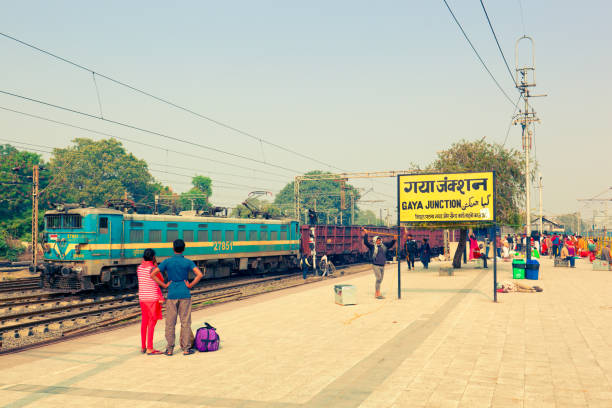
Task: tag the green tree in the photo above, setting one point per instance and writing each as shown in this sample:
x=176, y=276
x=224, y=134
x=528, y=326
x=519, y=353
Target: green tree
x=479, y=155
x=198, y=196
x=368, y=217
x=96, y=171
x=16, y=187
x=326, y=193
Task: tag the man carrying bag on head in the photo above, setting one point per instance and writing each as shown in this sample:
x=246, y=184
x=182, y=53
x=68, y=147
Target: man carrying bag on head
x=378, y=254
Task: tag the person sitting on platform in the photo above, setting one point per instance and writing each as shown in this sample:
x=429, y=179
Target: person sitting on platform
x=605, y=254
x=566, y=256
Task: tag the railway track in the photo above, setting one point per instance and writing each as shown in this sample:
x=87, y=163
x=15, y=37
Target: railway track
x=31, y=323
x=20, y=285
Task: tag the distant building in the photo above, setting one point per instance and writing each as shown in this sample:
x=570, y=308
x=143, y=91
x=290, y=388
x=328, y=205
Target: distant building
x=548, y=225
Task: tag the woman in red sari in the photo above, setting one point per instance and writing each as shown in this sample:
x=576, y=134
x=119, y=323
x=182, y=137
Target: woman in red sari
x=474, y=250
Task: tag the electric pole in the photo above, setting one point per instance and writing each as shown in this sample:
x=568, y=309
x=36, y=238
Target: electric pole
x=525, y=79
x=540, y=188
x=35, y=215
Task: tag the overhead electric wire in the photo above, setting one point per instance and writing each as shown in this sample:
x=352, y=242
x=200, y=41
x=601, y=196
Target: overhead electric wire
x=511, y=121
x=175, y=105
x=477, y=54
x=213, y=181
x=133, y=141
x=497, y=42
x=220, y=172
x=127, y=125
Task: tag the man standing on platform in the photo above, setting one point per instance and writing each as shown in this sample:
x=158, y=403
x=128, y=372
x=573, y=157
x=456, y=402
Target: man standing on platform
x=179, y=297
x=411, y=251
x=378, y=254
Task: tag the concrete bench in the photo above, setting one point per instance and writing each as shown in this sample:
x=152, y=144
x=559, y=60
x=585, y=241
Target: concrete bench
x=561, y=263
x=600, y=265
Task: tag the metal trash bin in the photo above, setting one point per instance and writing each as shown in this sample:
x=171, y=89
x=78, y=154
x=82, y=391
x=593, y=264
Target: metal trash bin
x=532, y=269
x=518, y=269
x=345, y=294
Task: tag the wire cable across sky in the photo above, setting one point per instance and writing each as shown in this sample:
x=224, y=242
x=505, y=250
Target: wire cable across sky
x=168, y=102
x=152, y=132
x=477, y=54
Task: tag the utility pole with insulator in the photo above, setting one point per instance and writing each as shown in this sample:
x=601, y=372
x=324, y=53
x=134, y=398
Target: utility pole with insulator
x=540, y=188
x=525, y=79
x=35, y=170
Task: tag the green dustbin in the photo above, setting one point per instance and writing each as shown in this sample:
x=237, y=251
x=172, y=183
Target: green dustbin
x=518, y=269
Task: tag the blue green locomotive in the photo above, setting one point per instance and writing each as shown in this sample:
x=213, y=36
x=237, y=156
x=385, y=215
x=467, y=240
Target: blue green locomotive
x=92, y=247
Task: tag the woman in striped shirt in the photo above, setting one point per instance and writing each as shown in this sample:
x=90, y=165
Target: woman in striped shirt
x=150, y=297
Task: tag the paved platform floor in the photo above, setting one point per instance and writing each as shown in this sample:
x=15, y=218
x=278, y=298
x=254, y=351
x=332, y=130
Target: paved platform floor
x=444, y=344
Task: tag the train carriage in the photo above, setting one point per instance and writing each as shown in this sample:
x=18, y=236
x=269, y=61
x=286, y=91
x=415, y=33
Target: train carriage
x=89, y=247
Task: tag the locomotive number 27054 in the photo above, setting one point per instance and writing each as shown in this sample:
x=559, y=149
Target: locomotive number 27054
x=223, y=246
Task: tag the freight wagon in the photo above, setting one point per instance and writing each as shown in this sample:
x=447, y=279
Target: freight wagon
x=344, y=244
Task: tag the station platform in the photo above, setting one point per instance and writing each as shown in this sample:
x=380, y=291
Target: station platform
x=444, y=344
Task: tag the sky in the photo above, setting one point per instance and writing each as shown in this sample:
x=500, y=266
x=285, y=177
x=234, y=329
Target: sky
x=357, y=85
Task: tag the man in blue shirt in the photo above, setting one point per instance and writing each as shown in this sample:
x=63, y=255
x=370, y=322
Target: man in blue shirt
x=177, y=269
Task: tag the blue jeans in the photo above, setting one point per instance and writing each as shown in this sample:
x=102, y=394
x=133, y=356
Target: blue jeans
x=571, y=260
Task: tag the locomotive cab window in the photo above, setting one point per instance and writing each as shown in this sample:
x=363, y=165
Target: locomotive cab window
x=103, y=225
x=72, y=221
x=53, y=221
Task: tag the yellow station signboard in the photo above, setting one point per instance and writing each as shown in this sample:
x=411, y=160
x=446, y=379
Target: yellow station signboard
x=446, y=198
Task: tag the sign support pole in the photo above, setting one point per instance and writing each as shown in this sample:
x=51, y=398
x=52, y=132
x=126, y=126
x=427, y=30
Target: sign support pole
x=397, y=244
x=494, y=262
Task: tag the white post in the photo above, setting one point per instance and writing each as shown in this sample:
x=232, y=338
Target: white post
x=541, y=205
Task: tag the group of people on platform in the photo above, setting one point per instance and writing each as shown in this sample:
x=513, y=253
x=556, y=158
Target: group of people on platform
x=555, y=245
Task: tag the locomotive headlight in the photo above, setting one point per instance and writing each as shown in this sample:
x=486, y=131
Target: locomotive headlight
x=78, y=269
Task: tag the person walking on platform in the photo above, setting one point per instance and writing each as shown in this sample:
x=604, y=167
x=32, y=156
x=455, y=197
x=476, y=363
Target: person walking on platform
x=177, y=269
x=411, y=249
x=378, y=254
x=425, y=253
x=150, y=297
x=555, y=245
